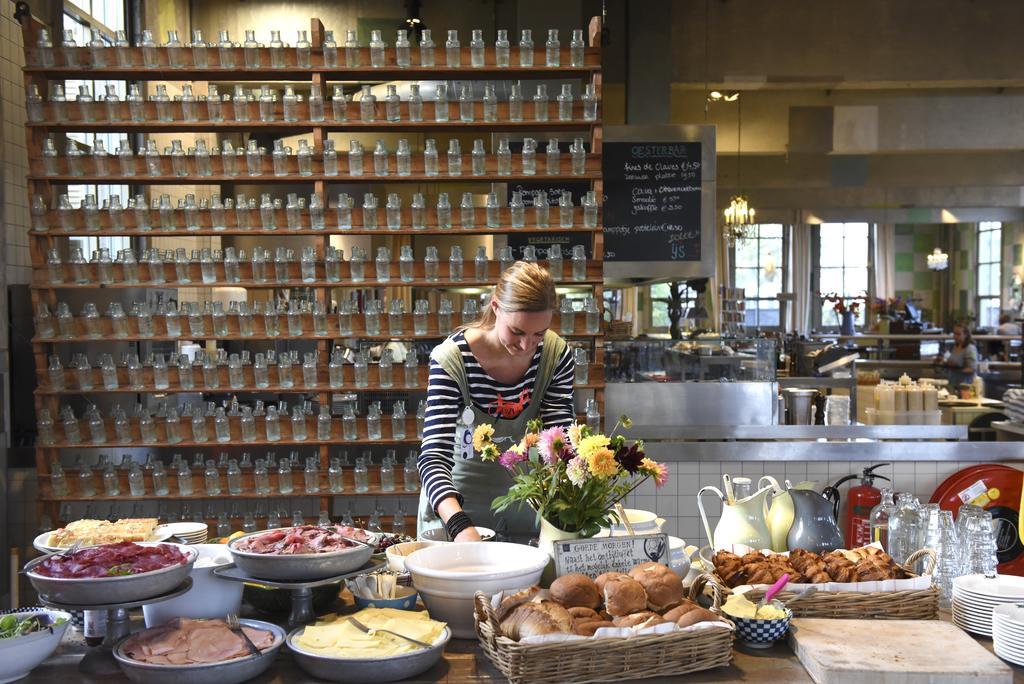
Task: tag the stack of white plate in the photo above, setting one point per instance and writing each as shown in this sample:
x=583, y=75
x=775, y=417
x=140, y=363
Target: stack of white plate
x=188, y=532
x=975, y=597
x=1008, y=632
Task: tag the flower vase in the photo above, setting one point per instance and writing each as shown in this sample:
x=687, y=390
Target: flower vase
x=848, y=323
x=549, y=536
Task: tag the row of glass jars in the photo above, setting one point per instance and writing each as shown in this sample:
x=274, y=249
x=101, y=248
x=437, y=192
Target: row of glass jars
x=100, y=269
x=198, y=160
x=231, y=472
x=175, y=53
x=295, y=314
x=264, y=214
x=199, y=422
x=216, y=107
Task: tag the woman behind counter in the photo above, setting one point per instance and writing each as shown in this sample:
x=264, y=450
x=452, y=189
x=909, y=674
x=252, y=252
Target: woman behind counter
x=505, y=369
x=962, y=359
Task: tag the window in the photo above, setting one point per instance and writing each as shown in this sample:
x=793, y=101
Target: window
x=990, y=253
x=758, y=270
x=843, y=266
x=658, y=320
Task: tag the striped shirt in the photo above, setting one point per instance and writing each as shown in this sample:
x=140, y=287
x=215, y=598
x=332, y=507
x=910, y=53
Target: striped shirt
x=444, y=403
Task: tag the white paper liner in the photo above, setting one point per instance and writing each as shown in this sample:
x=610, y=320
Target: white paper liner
x=614, y=632
x=910, y=584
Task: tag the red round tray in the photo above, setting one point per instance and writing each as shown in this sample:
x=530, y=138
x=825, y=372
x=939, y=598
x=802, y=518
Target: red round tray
x=1001, y=487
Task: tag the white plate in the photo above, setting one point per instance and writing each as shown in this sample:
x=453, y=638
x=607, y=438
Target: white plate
x=975, y=617
x=39, y=542
x=1009, y=656
x=972, y=629
x=1011, y=613
x=1008, y=642
x=1003, y=587
x=983, y=601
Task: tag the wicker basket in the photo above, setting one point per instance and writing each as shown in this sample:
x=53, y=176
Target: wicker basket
x=920, y=604
x=605, y=660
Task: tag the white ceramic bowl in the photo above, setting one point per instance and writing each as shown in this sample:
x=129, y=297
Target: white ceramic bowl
x=439, y=534
x=447, y=577
x=209, y=597
x=397, y=554
x=20, y=656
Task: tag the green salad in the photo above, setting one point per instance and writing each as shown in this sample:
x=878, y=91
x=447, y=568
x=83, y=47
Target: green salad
x=12, y=627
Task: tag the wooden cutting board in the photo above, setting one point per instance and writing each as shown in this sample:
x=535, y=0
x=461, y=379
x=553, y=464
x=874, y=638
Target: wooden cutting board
x=893, y=652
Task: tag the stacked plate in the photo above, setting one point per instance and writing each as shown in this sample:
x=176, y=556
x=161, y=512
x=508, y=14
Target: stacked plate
x=188, y=532
x=976, y=596
x=1008, y=632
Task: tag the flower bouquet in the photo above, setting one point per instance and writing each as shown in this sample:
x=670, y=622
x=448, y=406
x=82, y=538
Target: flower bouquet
x=571, y=476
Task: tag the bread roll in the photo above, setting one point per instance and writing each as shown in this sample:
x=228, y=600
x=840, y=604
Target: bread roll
x=581, y=613
x=605, y=577
x=675, y=613
x=513, y=601
x=588, y=627
x=574, y=590
x=536, y=619
x=624, y=595
x=696, y=615
x=645, y=618
x=664, y=588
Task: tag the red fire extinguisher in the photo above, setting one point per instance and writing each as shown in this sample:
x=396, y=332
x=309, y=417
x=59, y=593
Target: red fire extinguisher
x=860, y=499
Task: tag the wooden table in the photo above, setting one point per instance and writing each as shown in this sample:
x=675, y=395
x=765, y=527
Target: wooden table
x=465, y=663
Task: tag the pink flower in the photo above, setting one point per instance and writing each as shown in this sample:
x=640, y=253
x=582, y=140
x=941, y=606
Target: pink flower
x=576, y=471
x=551, y=444
x=659, y=471
x=510, y=458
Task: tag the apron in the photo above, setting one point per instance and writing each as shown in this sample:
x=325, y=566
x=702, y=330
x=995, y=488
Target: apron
x=481, y=482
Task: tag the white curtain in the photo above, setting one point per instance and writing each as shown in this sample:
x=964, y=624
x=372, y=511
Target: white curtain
x=885, y=260
x=798, y=263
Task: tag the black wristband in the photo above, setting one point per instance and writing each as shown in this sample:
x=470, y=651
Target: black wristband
x=458, y=522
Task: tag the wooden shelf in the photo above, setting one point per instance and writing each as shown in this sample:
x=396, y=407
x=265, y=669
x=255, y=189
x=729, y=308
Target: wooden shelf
x=41, y=277
x=106, y=333
x=76, y=219
x=239, y=72
x=43, y=387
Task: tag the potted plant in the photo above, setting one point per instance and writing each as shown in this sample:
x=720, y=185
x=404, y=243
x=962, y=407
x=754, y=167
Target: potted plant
x=846, y=311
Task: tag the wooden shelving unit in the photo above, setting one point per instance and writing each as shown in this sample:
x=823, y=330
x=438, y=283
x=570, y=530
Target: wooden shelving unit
x=54, y=228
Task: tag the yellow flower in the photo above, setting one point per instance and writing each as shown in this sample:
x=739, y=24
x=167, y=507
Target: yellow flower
x=588, y=445
x=482, y=435
x=489, y=452
x=602, y=463
x=518, y=448
x=574, y=435
x=530, y=439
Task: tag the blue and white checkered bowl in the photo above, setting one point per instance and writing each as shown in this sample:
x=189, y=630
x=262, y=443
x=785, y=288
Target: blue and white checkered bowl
x=761, y=633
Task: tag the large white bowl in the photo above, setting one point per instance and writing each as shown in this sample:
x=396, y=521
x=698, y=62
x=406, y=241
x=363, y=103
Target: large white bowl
x=209, y=597
x=448, y=576
x=397, y=554
x=20, y=656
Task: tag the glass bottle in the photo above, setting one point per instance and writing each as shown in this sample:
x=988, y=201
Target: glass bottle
x=555, y=262
x=420, y=314
x=163, y=104
x=248, y=425
x=415, y=103
x=402, y=50
x=480, y=264
x=251, y=50
x=362, y=476
x=290, y=103
x=303, y=51
x=427, y=49
x=175, y=51
x=455, y=264
x=222, y=425
x=311, y=476
x=211, y=478
x=355, y=158
x=284, y=476
x=444, y=316
x=593, y=316
x=879, y=517
x=452, y=49
x=49, y=154
x=285, y=375
x=377, y=46
x=579, y=262
x=576, y=48
x=517, y=210
x=466, y=105
x=410, y=472
x=398, y=422
x=553, y=158
x=540, y=103
x=367, y=105
x=211, y=373
x=589, y=99
x=336, y=477
x=348, y=423
x=552, y=50
x=298, y=424
x=383, y=265
x=470, y=311
x=387, y=475
x=44, y=48
x=352, y=56
x=441, y=102
x=272, y=424
x=330, y=49
x=160, y=484
x=589, y=203
x=260, y=477
x=529, y=157
x=565, y=211
x=380, y=159
x=111, y=484
x=421, y=418
x=567, y=317
x=150, y=52
x=339, y=104
x=526, y=48
x=593, y=416
x=578, y=155
x=316, y=103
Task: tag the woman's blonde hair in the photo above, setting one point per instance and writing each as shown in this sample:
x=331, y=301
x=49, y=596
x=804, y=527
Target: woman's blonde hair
x=523, y=286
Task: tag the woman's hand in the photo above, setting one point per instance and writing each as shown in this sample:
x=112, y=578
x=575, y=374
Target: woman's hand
x=468, y=535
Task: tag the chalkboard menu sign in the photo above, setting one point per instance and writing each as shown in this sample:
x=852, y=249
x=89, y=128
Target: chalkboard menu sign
x=652, y=201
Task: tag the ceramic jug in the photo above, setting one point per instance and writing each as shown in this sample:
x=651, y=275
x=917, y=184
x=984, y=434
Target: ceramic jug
x=780, y=512
x=814, y=522
x=742, y=522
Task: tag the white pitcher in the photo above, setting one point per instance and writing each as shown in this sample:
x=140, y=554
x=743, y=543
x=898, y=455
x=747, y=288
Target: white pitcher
x=742, y=522
x=780, y=512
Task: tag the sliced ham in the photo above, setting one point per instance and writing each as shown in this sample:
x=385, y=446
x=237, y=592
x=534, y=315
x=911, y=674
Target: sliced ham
x=304, y=539
x=191, y=642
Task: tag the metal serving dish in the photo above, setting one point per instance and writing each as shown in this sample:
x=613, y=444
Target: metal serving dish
x=307, y=566
x=111, y=590
x=230, y=672
x=368, y=670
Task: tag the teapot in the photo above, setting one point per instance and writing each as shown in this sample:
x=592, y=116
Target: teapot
x=742, y=522
x=814, y=522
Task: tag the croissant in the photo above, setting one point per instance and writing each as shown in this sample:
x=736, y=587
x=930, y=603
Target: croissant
x=870, y=570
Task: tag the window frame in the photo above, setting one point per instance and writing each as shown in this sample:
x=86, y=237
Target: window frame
x=817, y=300
x=987, y=228
x=781, y=270
x=648, y=318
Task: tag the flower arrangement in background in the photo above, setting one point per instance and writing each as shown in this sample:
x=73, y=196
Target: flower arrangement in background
x=888, y=306
x=841, y=305
x=571, y=476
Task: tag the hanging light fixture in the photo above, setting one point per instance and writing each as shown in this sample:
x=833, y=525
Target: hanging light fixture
x=938, y=260
x=739, y=214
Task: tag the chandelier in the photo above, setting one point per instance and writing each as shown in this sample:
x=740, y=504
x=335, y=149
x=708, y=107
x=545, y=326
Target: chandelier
x=938, y=260
x=739, y=214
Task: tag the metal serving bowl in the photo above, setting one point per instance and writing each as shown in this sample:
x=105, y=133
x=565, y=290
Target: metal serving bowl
x=98, y=591
x=307, y=566
x=230, y=672
x=368, y=670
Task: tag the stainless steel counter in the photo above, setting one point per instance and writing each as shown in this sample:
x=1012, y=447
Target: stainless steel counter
x=794, y=432
x=689, y=451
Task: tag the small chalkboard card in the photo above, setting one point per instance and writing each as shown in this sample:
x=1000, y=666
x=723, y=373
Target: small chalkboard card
x=652, y=207
x=592, y=557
